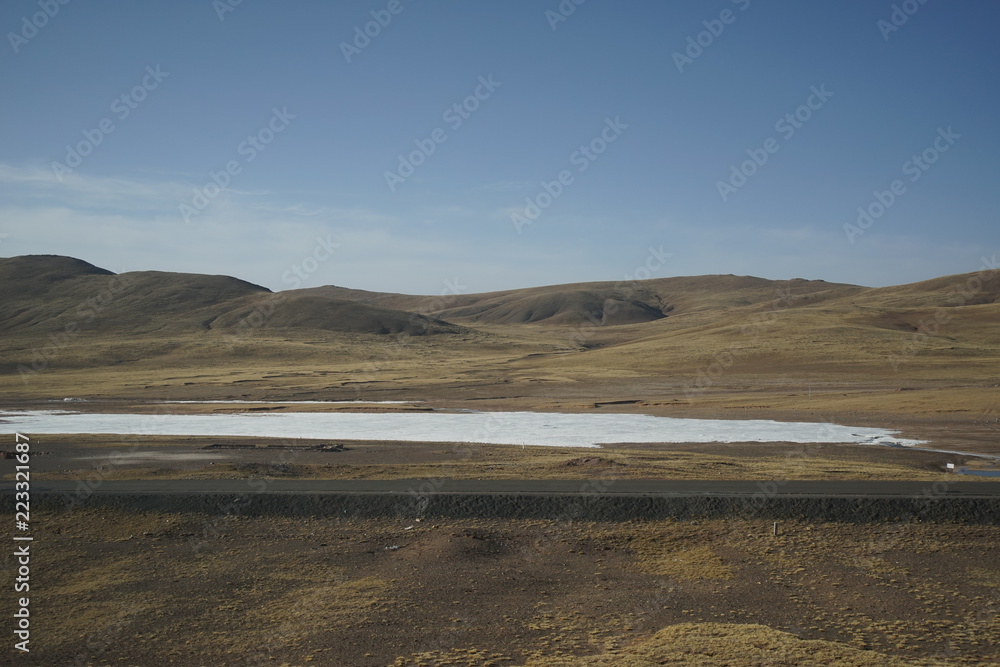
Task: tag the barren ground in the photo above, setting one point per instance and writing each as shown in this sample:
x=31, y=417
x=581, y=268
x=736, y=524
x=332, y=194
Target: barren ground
x=130, y=588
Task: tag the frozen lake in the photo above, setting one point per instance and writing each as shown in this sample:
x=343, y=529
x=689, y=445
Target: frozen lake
x=502, y=428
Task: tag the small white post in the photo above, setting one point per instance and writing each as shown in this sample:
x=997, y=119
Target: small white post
x=775, y=529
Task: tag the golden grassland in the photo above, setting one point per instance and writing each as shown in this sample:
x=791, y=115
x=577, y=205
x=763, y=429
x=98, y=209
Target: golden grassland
x=954, y=403
x=725, y=340
x=738, y=645
x=691, y=372
x=703, y=342
x=190, y=589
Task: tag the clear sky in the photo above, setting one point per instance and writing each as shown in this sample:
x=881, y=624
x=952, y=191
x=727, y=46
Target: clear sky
x=675, y=137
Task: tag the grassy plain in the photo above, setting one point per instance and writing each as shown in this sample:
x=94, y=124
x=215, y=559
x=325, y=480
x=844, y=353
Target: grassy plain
x=187, y=589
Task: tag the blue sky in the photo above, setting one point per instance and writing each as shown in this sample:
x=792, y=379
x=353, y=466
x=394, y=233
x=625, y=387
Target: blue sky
x=308, y=118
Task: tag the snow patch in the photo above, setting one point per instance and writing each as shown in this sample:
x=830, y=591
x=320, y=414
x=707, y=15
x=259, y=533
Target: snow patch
x=501, y=428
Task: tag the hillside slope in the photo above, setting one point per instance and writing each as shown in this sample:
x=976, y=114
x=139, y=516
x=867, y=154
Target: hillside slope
x=46, y=294
x=687, y=334
x=603, y=303
x=918, y=328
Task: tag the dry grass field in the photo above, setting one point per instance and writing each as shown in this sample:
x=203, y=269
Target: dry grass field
x=185, y=589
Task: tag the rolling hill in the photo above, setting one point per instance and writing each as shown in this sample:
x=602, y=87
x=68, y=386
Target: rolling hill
x=46, y=294
x=600, y=303
x=674, y=334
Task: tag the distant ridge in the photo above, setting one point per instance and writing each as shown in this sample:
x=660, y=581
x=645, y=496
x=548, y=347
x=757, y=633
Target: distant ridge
x=43, y=293
x=47, y=293
x=600, y=303
x=38, y=270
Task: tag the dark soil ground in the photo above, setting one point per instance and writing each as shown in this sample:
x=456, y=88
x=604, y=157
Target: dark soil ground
x=123, y=588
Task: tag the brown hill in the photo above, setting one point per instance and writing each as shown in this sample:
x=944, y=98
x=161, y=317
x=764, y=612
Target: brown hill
x=686, y=336
x=950, y=302
x=304, y=312
x=44, y=294
x=966, y=289
x=943, y=326
x=35, y=274
x=602, y=303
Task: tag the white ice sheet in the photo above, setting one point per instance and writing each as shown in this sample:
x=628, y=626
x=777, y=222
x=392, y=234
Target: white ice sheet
x=504, y=428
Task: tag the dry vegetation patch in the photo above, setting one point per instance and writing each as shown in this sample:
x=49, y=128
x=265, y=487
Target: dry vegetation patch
x=732, y=645
x=191, y=589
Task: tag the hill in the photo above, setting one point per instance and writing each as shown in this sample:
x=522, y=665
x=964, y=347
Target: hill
x=679, y=338
x=45, y=294
x=601, y=303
